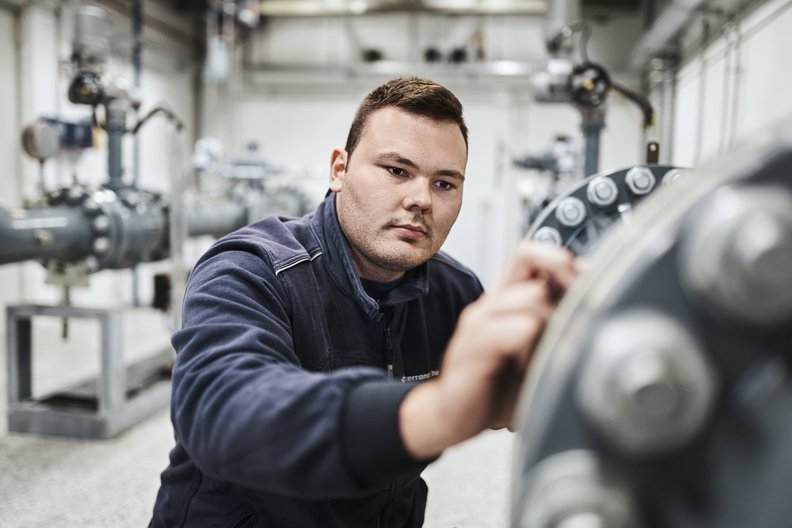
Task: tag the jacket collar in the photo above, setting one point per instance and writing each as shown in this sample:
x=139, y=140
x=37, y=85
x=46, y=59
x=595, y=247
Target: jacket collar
x=342, y=270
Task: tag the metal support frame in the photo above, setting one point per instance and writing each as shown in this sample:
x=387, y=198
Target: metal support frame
x=123, y=395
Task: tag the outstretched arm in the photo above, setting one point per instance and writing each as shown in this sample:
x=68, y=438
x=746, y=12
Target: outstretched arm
x=488, y=355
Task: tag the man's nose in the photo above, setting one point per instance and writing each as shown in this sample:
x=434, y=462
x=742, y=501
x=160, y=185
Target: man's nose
x=419, y=195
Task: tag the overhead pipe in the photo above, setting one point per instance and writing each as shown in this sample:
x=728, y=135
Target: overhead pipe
x=562, y=17
x=657, y=41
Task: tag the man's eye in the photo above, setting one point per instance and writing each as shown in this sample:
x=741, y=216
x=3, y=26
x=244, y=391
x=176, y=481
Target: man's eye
x=396, y=171
x=446, y=186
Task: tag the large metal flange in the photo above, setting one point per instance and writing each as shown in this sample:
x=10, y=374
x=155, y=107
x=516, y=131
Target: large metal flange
x=574, y=489
x=647, y=385
x=737, y=259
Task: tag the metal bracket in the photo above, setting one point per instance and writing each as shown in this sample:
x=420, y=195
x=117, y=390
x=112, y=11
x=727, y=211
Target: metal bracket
x=120, y=397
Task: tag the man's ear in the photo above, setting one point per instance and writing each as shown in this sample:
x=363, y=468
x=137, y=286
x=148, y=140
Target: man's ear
x=338, y=167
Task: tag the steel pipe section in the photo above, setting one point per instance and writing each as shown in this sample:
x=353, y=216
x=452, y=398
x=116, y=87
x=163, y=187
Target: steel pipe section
x=104, y=228
x=660, y=394
x=216, y=218
x=59, y=232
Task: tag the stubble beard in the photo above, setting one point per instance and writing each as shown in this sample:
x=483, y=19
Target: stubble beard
x=394, y=254
x=397, y=255
x=381, y=249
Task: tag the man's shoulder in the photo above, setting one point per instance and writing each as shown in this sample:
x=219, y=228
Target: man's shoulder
x=283, y=241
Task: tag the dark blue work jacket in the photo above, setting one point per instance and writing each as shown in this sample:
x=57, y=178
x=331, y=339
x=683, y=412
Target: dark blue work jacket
x=283, y=412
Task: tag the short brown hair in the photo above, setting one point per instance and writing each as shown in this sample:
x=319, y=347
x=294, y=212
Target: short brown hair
x=414, y=95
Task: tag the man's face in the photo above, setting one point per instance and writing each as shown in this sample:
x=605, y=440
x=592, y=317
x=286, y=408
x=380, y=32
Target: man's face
x=401, y=191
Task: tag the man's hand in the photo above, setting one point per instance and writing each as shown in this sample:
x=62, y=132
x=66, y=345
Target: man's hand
x=488, y=355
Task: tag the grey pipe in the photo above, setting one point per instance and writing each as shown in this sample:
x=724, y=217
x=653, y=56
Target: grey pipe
x=116, y=127
x=561, y=14
x=137, y=67
x=137, y=72
x=118, y=234
x=668, y=106
x=592, y=153
x=592, y=123
x=215, y=219
x=60, y=232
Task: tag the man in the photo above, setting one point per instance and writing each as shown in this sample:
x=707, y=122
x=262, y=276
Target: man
x=294, y=395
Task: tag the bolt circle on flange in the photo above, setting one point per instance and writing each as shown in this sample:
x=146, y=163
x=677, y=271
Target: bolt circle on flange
x=640, y=180
x=602, y=191
x=571, y=212
x=101, y=245
x=671, y=176
x=548, y=236
x=101, y=224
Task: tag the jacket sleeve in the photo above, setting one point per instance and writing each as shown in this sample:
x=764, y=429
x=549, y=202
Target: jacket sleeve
x=248, y=414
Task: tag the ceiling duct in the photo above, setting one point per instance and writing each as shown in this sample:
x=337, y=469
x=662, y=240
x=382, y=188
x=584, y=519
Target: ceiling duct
x=360, y=7
x=12, y=5
x=658, y=41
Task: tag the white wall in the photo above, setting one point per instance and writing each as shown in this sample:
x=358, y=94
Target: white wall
x=736, y=86
x=44, y=48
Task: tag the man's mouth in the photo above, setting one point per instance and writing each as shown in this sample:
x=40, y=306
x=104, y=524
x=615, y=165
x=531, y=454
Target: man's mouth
x=411, y=230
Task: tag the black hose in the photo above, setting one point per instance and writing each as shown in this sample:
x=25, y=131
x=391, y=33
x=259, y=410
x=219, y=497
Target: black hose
x=642, y=102
x=159, y=110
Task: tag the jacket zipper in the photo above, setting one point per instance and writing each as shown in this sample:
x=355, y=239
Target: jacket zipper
x=386, y=320
x=388, y=350
x=391, y=496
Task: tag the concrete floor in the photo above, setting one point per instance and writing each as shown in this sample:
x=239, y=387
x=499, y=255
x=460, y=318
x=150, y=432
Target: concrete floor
x=50, y=481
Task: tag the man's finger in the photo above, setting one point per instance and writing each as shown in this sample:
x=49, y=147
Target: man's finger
x=533, y=259
x=528, y=295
